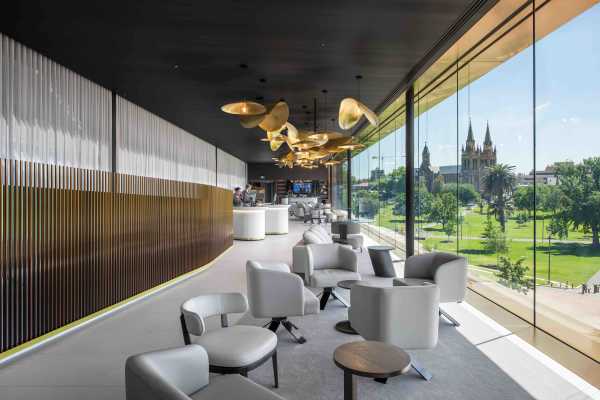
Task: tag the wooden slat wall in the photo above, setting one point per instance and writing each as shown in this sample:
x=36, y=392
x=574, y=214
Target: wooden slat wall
x=75, y=241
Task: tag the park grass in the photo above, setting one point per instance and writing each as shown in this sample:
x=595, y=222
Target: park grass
x=569, y=262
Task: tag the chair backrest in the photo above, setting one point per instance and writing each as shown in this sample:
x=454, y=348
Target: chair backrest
x=316, y=235
x=324, y=255
x=406, y=316
x=259, y=284
x=197, y=308
x=172, y=374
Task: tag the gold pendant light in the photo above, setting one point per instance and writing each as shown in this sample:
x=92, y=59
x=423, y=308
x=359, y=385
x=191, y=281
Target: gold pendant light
x=252, y=121
x=276, y=117
x=244, y=108
x=351, y=110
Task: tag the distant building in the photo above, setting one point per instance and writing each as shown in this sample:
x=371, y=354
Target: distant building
x=475, y=160
x=546, y=177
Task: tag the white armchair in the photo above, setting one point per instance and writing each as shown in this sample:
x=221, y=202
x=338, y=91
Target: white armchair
x=234, y=349
x=405, y=316
x=183, y=374
x=324, y=265
x=448, y=271
x=275, y=293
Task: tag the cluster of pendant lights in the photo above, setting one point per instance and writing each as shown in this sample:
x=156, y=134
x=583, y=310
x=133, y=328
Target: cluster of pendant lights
x=308, y=149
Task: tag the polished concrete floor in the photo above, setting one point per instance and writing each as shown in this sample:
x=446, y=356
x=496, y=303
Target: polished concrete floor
x=88, y=364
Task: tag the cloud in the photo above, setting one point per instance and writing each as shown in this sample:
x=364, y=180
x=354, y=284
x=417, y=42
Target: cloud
x=543, y=106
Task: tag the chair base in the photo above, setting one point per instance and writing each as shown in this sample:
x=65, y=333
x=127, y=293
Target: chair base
x=449, y=318
x=243, y=370
x=329, y=291
x=288, y=325
x=345, y=327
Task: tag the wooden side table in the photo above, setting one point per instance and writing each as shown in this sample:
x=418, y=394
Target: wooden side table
x=370, y=359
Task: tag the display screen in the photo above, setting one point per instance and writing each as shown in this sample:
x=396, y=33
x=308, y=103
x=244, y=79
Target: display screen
x=301, y=187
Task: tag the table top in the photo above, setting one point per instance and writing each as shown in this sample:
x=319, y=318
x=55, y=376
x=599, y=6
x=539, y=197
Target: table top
x=380, y=248
x=372, y=359
x=347, y=284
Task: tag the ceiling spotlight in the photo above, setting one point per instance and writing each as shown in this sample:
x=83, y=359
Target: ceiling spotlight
x=244, y=66
x=262, y=80
x=176, y=66
x=324, y=91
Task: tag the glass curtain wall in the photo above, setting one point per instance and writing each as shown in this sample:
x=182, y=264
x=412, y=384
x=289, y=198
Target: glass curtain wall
x=507, y=168
x=378, y=176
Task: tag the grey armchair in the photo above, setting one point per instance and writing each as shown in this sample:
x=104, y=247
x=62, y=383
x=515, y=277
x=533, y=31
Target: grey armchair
x=448, y=271
x=324, y=265
x=353, y=236
x=275, y=293
x=405, y=316
x=183, y=374
x=231, y=350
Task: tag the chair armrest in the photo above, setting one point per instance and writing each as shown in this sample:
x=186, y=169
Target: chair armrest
x=173, y=374
x=451, y=277
x=276, y=294
x=348, y=258
x=363, y=314
x=418, y=266
x=301, y=262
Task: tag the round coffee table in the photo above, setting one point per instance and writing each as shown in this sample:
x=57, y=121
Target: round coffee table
x=370, y=359
x=382, y=261
x=344, y=326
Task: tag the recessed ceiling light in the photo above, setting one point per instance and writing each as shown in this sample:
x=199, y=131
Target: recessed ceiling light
x=244, y=66
x=359, y=77
x=176, y=66
x=324, y=91
x=262, y=80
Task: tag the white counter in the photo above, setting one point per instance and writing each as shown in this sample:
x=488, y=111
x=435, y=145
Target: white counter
x=249, y=223
x=276, y=219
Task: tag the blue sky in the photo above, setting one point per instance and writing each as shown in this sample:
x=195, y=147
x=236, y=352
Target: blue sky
x=568, y=106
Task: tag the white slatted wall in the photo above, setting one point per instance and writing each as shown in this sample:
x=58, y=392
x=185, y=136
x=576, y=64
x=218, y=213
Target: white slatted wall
x=232, y=171
x=49, y=114
x=148, y=145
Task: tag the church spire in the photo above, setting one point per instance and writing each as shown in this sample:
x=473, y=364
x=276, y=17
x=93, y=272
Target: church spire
x=470, y=137
x=488, y=138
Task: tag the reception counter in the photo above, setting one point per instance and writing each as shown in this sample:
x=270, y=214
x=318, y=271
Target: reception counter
x=276, y=219
x=249, y=223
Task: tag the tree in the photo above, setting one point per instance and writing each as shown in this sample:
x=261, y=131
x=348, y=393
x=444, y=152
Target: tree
x=444, y=209
x=524, y=199
x=512, y=274
x=579, y=204
x=368, y=204
x=393, y=184
x=450, y=228
x=495, y=240
x=551, y=199
x=498, y=186
x=437, y=185
x=466, y=192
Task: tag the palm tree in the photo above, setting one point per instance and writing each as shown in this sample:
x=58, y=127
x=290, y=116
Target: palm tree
x=498, y=187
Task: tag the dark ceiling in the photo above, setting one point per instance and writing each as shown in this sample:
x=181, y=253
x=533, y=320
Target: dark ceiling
x=181, y=59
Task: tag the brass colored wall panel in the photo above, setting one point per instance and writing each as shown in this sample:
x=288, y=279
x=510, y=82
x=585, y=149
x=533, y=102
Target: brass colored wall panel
x=75, y=241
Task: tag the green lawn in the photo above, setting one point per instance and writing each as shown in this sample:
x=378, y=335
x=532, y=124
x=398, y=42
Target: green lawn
x=572, y=262
x=474, y=222
x=569, y=262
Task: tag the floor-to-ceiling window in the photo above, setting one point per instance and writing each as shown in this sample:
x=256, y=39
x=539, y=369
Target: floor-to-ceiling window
x=507, y=169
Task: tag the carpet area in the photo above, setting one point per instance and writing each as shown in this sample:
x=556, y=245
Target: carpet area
x=307, y=371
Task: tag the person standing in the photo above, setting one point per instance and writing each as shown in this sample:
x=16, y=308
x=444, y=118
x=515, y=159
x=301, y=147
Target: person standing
x=246, y=197
x=237, y=197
